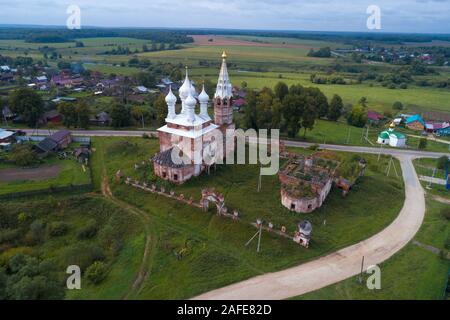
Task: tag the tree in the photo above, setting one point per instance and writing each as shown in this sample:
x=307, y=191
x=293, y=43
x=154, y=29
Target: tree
x=309, y=116
x=397, y=105
x=83, y=112
x=68, y=113
x=28, y=104
x=75, y=115
x=423, y=143
x=120, y=115
x=23, y=155
x=293, y=107
x=442, y=162
x=336, y=108
x=161, y=109
x=363, y=102
x=358, y=116
x=250, y=111
x=244, y=84
x=318, y=101
x=96, y=272
x=31, y=279
x=281, y=90
x=138, y=114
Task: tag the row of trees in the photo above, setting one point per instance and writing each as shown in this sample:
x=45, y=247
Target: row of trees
x=289, y=108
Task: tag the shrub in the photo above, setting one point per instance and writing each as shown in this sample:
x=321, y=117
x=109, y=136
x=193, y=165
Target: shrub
x=89, y=231
x=397, y=105
x=23, y=155
x=96, y=272
x=9, y=235
x=82, y=255
x=423, y=143
x=57, y=228
x=37, y=231
x=442, y=162
x=445, y=212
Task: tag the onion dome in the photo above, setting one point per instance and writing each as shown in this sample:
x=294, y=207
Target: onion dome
x=171, y=99
x=190, y=101
x=203, y=96
x=186, y=88
x=305, y=227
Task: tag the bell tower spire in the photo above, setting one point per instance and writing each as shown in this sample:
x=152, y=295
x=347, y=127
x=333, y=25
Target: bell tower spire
x=223, y=107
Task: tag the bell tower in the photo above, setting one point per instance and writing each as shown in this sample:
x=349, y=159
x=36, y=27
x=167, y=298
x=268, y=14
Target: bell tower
x=223, y=98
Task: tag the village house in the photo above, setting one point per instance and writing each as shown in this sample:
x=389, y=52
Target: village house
x=415, y=122
x=6, y=139
x=101, y=119
x=374, y=117
x=52, y=116
x=60, y=140
x=66, y=79
x=185, y=131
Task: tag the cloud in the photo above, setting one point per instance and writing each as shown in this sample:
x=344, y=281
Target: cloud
x=345, y=15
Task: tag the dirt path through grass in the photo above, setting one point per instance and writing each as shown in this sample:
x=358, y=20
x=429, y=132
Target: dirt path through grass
x=36, y=174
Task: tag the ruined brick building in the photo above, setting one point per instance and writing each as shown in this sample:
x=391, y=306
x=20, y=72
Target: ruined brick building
x=306, y=182
x=191, y=135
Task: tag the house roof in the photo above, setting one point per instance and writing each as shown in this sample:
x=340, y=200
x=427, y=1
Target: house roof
x=47, y=145
x=375, y=116
x=387, y=134
x=4, y=134
x=165, y=159
x=60, y=135
x=414, y=118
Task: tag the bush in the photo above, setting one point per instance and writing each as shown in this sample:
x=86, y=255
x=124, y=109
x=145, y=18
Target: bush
x=423, y=143
x=96, y=272
x=37, y=231
x=397, y=105
x=445, y=212
x=57, y=228
x=23, y=155
x=89, y=231
x=442, y=162
x=9, y=235
x=82, y=255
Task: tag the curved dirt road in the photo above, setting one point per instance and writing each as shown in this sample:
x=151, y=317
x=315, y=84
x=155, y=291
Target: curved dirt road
x=339, y=265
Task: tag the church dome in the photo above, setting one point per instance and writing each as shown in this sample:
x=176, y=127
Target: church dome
x=187, y=87
x=171, y=98
x=203, y=96
x=190, y=101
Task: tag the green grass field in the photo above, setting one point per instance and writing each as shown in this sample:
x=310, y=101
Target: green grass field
x=71, y=173
x=413, y=273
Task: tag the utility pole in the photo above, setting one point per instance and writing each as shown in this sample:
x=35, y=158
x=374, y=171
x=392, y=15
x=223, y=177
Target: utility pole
x=348, y=136
x=362, y=268
x=259, y=238
x=259, y=179
x=379, y=153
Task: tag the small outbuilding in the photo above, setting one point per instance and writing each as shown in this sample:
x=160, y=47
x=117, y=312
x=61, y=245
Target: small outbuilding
x=392, y=138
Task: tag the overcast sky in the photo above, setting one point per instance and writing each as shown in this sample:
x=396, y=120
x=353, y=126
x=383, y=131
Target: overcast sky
x=331, y=15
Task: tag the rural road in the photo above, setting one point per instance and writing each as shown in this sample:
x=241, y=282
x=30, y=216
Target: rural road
x=339, y=265
x=288, y=143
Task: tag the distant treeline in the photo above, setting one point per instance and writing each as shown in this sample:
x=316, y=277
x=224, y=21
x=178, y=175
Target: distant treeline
x=53, y=35
x=160, y=35
x=344, y=37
